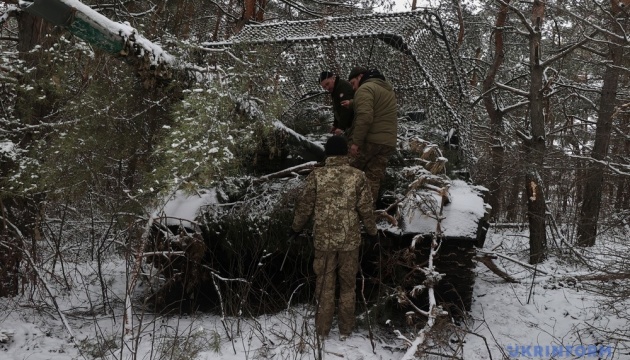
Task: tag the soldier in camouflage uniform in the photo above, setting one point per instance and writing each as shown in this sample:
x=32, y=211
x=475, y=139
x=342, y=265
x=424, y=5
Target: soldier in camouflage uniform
x=375, y=126
x=338, y=197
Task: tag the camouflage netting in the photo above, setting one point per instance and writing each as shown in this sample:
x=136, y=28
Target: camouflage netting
x=414, y=50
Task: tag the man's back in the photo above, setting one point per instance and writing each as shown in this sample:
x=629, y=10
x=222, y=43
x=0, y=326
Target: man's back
x=339, y=197
x=376, y=114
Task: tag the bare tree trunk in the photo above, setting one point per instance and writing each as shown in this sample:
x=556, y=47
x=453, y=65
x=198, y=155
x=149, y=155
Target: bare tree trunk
x=589, y=213
x=217, y=25
x=30, y=32
x=249, y=13
x=495, y=115
x=260, y=12
x=460, y=21
x=535, y=145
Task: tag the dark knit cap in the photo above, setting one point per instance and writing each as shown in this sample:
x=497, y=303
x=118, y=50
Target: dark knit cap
x=356, y=71
x=325, y=75
x=336, y=146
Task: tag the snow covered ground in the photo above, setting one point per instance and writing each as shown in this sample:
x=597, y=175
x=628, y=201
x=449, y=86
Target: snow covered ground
x=553, y=315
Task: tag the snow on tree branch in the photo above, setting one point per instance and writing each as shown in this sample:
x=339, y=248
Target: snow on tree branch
x=10, y=10
x=95, y=28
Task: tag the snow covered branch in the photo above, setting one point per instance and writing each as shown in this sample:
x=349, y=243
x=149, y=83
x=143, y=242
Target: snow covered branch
x=621, y=170
x=298, y=169
x=314, y=148
x=11, y=10
x=432, y=278
x=513, y=90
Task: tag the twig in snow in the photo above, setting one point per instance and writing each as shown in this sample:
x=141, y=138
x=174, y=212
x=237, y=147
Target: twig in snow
x=525, y=265
x=531, y=288
x=367, y=312
x=31, y=262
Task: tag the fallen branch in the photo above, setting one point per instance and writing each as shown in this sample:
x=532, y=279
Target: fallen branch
x=554, y=227
x=603, y=277
x=288, y=172
x=487, y=260
x=432, y=278
x=166, y=254
x=580, y=277
x=316, y=149
x=587, y=277
x=525, y=265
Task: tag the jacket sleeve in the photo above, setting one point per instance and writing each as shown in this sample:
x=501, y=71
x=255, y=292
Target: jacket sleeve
x=348, y=92
x=343, y=116
x=364, y=206
x=363, y=114
x=335, y=111
x=306, y=204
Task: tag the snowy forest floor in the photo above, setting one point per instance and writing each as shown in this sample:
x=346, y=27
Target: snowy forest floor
x=526, y=320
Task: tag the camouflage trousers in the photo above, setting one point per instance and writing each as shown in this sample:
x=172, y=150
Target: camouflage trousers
x=372, y=159
x=328, y=266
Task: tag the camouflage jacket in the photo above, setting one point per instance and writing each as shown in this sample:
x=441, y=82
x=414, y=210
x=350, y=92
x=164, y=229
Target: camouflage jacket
x=338, y=196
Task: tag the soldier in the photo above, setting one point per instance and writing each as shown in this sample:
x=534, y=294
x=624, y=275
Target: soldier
x=339, y=90
x=375, y=127
x=338, y=197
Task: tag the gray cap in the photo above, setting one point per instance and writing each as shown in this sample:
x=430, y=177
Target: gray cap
x=356, y=71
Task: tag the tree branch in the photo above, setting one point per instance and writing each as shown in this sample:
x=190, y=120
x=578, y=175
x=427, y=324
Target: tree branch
x=298, y=169
x=525, y=265
x=587, y=22
x=224, y=11
x=330, y=3
x=522, y=93
x=487, y=260
x=594, y=51
x=11, y=11
x=520, y=15
x=606, y=164
x=514, y=106
x=566, y=52
x=303, y=9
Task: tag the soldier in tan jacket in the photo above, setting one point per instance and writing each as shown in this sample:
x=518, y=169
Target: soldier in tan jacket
x=338, y=197
x=375, y=126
